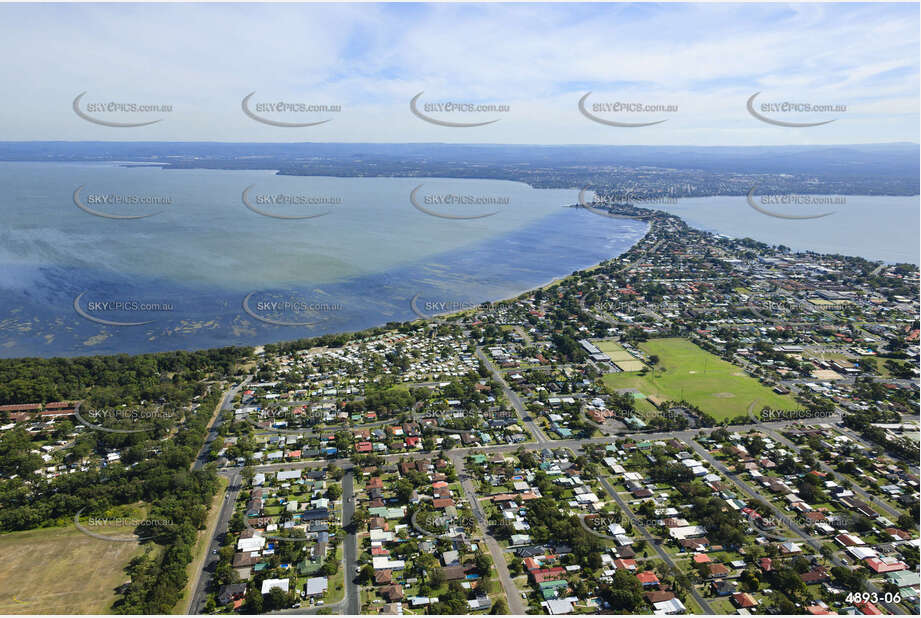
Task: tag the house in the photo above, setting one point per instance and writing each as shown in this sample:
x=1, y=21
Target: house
x=818, y=575
x=698, y=544
x=384, y=562
x=393, y=592
x=245, y=559
x=658, y=596
x=648, y=578
x=724, y=587
x=885, y=565
x=231, y=592
x=315, y=587
x=252, y=543
x=743, y=600
x=450, y=558
x=383, y=577
x=868, y=609
x=622, y=563
x=849, y=540
x=315, y=515
x=541, y=576
x=669, y=608
x=558, y=607
x=453, y=573
x=268, y=584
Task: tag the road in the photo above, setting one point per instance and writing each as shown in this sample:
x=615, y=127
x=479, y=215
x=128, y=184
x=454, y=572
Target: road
x=213, y=430
x=894, y=513
x=203, y=582
x=513, y=398
x=652, y=541
x=788, y=521
x=515, y=604
x=352, y=590
x=220, y=531
x=573, y=444
x=203, y=579
x=351, y=603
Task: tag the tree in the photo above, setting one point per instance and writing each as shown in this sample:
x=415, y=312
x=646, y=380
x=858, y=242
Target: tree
x=253, y=603
x=500, y=607
x=276, y=599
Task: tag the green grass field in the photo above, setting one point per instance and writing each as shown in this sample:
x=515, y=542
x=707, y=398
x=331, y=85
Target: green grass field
x=62, y=571
x=620, y=356
x=613, y=349
x=687, y=372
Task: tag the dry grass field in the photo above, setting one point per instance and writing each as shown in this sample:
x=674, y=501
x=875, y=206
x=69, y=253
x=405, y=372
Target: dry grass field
x=62, y=571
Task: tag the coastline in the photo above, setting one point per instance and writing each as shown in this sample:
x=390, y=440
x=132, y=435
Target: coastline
x=549, y=284
x=632, y=213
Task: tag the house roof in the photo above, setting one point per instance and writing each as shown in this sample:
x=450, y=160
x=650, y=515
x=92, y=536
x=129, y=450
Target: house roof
x=647, y=577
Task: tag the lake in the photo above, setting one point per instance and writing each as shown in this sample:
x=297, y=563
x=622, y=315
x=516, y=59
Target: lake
x=76, y=283
x=207, y=258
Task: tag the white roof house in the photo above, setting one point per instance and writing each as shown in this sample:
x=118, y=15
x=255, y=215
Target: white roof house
x=254, y=543
x=667, y=608
x=316, y=586
x=268, y=584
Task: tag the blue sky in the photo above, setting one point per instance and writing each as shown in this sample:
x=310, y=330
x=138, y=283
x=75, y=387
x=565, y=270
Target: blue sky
x=539, y=59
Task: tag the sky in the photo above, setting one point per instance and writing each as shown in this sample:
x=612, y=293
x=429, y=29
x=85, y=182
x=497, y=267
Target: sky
x=701, y=61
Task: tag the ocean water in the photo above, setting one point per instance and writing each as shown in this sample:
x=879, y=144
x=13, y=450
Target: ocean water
x=206, y=270
x=874, y=227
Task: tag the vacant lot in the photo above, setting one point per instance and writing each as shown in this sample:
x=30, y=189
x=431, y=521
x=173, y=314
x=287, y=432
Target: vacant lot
x=62, y=571
x=687, y=372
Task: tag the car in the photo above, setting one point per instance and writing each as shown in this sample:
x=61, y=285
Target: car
x=213, y=551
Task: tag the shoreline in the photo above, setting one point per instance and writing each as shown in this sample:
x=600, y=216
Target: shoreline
x=508, y=297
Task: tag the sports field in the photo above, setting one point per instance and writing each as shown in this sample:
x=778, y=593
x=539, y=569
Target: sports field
x=687, y=372
x=620, y=356
x=62, y=571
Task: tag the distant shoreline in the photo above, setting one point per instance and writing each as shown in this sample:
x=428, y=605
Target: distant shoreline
x=506, y=297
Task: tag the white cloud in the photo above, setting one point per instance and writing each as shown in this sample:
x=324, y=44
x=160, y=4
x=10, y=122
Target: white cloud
x=539, y=59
